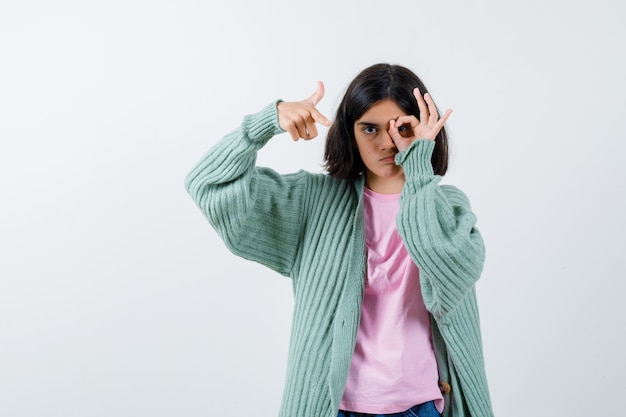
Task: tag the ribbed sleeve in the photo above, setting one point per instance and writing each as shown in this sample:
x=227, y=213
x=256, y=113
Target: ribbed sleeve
x=437, y=226
x=255, y=211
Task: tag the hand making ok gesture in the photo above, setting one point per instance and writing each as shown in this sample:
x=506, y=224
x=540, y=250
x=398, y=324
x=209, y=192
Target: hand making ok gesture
x=405, y=129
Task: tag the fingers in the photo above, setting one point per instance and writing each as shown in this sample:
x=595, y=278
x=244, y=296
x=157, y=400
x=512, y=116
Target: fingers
x=402, y=131
x=319, y=117
x=444, y=118
x=434, y=121
x=428, y=112
x=433, y=115
x=300, y=129
x=309, y=130
x=394, y=134
x=299, y=118
x=421, y=104
x=293, y=132
x=299, y=125
x=305, y=124
x=315, y=98
x=427, y=108
x=405, y=126
x=393, y=130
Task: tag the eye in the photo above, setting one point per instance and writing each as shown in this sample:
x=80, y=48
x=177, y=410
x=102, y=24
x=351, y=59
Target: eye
x=405, y=131
x=370, y=130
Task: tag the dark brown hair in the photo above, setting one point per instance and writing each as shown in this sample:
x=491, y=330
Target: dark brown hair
x=375, y=83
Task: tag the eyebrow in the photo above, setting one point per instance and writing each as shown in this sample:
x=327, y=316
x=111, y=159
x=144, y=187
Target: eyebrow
x=368, y=124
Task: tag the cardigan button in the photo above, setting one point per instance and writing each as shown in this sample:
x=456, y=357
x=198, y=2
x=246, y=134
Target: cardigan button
x=445, y=388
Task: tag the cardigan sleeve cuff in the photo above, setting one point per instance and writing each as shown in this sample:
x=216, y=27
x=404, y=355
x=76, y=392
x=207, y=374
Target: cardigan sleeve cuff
x=263, y=125
x=416, y=159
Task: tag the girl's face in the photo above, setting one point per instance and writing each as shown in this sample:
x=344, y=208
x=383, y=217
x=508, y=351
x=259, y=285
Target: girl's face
x=376, y=148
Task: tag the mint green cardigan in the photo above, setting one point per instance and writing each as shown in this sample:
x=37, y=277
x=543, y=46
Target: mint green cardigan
x=309, y=227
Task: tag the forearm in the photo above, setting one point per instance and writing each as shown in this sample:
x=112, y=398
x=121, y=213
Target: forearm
x=235, y=154
x=251, y=208
x=220, y=183
x=438, y=228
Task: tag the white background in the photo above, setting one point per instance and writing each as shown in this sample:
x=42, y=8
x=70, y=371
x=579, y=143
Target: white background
x=118, y=299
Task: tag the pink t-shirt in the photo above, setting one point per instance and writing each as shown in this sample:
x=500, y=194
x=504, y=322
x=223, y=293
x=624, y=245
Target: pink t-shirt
x=393, y=367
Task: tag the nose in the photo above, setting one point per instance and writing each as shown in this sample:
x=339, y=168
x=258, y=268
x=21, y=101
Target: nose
x=386, y=142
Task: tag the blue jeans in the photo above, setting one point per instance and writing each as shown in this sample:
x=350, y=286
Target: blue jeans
x=422, y=410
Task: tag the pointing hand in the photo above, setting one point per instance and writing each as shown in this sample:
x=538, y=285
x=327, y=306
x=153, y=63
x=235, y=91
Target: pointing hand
x=299, y=118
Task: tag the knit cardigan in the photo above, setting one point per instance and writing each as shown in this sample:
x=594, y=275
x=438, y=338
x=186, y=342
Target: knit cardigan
x=310, y=227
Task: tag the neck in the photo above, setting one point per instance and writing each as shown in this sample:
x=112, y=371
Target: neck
x=386, y=185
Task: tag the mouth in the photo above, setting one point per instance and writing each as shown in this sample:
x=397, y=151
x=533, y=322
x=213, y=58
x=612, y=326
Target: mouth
x=390, y=158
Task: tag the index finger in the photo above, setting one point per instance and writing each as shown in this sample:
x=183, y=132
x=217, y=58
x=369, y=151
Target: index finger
x=319, y=117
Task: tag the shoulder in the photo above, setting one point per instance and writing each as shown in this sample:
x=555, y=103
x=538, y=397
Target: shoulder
x=320, y=184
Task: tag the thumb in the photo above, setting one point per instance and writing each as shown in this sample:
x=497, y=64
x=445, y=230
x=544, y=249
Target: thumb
x=317, y=96
x=393, y=131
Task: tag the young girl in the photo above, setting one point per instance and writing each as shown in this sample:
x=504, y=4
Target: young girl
x=383, y=259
